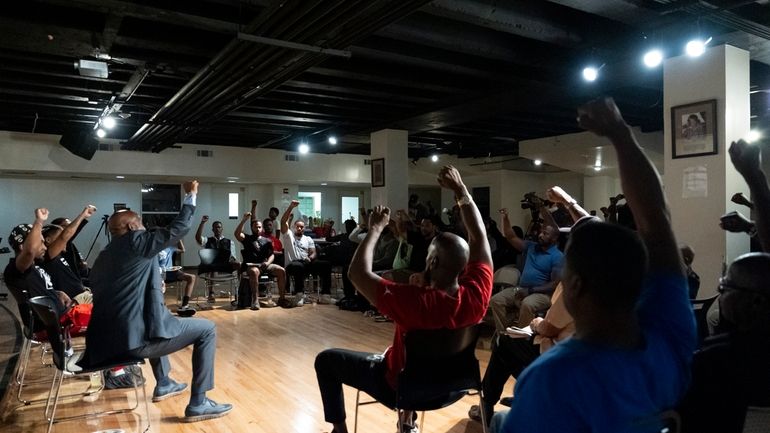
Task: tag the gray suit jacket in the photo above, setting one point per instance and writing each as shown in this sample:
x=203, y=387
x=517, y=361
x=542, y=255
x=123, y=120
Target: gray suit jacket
x=128, y=303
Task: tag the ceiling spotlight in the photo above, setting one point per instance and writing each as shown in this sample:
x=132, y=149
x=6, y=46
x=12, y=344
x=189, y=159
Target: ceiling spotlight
x=100, y=133
x=304, y=148
x=597, y=168
x=108, y=122
x=753, y=136
x=231, y=181
x=590, y=73
x=120, y=177
x=434, y=158
x=332, y=140
x=537, y=162
x=324, y=183
x=696, y=47
x=653, y=58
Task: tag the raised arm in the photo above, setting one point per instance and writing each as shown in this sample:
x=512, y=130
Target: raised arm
x=33, y=242
x=154, y=242
x=478, y=244
x=60, y=244
x=180, y=246
x=199, y=233
x=557, y=195
x=508, y=232
x=360, y=270
x=746, y=159
x=287, y=216
x=239, y=228
x=640, y=182
x=253, y=213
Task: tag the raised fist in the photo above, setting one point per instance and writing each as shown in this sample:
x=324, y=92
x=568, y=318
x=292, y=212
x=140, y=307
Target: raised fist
x=190, y=187
x=247, y=215
x=294, y=203
x=204, y=218
x=41, y=214
x=89, y=211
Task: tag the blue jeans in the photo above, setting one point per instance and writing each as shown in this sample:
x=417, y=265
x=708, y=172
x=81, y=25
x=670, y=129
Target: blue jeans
x=202, y=334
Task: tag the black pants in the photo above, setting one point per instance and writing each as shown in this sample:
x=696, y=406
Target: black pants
x=510, y=356
x=298, y=270
x=361, y=370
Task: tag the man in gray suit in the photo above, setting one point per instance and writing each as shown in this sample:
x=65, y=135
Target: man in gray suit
x=130, y=318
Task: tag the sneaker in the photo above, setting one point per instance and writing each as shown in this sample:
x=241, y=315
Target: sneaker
x=506, y=401
x=326, y=299
x=268, y=303
x=208, y=410
x=475, y=413
x=254, y=306
x=211, y=298
x=185, y=311
x=163, y=392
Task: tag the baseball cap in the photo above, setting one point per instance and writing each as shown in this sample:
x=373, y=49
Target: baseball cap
x=581, y=221
x=19, y=235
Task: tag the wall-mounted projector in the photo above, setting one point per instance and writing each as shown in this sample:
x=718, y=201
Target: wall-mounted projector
x=90, y=68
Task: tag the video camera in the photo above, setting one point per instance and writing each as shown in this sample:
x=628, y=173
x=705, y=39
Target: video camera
x=533, y=202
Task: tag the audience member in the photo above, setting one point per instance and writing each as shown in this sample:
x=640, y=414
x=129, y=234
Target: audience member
x=634, y=327
x=130, y=318
x=63, y=275
x=453, y=293
x=693, y=280
x=72, y=254
x=730, y=370
x=225, y=246
x=258, y=259
x=301, y=258
x=542, y=265
x=166, y=261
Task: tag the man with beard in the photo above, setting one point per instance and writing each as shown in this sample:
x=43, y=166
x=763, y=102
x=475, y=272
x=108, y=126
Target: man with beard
x=452, y=292
x=543, y=261
x=258, y=258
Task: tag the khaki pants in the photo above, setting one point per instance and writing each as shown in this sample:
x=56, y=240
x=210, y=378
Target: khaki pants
x=508, y=309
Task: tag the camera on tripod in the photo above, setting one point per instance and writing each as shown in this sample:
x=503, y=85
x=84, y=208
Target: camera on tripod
x=532, y=202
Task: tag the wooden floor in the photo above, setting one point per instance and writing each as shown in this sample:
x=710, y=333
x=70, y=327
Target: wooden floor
x=264, y=367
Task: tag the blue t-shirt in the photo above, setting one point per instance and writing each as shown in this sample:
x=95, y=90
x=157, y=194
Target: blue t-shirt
x=166, y=257
x=582, y=387
x=539, y=264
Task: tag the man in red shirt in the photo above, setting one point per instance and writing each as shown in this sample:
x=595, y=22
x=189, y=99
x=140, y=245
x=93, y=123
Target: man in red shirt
x=452, y=292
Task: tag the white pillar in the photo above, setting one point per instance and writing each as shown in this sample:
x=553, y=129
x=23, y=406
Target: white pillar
x=391, y=145
x=699, y=188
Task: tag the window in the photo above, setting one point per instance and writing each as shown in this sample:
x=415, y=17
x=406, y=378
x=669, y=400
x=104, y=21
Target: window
x=232, y=205
x=349, y=208
x=310, y=204
x=160, y=204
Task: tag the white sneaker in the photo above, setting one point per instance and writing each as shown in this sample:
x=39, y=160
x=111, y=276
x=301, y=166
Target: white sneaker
x=326, y=299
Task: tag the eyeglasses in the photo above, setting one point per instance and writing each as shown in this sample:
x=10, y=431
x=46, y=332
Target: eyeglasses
x=725, y=285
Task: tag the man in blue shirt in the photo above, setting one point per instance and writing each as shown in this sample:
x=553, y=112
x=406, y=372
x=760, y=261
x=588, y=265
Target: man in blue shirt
x=629, y=359
x=542, y=265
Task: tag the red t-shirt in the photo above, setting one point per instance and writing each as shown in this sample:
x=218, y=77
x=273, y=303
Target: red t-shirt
x=414, y=307
x=277, y=245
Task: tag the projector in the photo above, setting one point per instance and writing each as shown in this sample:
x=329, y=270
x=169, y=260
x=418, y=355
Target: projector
x=90, y=68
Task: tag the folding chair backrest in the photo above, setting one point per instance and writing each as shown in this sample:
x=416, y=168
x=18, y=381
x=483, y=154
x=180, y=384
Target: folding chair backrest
x=213, y=256
x=441, y=366
x=700, y=309
x=25, y=313
x=45, y=308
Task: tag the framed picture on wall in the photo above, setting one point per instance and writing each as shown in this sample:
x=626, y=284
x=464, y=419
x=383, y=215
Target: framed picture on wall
x=694, y=129
x=378, y=172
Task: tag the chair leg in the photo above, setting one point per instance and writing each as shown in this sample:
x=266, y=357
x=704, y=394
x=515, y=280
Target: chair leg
x=484, y=415
x=355, y=423
x=57, y=383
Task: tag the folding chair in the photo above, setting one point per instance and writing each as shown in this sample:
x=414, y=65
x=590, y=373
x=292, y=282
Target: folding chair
x=441, y=368
x=214, y=269
x=65, y=360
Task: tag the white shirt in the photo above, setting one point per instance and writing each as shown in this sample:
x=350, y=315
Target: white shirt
x=296, y=248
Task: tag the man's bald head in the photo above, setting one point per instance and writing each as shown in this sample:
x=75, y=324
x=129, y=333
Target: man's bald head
x=745, y=300
x=447, y=256
x=124, y=221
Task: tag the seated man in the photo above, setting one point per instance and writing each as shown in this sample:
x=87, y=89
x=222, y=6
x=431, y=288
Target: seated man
x=452, y=292
x=301, y=256
x=730, y=371
x=258, y=259
x=24, y=272
x=542, y=265
x=130, y=319
x=166, y=260
x=71, y=254
x=634, y=327
x=64, y=277
x=225, y=246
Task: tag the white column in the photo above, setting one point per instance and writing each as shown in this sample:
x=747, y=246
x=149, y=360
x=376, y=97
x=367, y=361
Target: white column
x=391, y=145
x=699, y=188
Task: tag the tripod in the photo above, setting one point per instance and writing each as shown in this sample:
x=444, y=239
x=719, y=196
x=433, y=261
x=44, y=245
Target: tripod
x=105, y=218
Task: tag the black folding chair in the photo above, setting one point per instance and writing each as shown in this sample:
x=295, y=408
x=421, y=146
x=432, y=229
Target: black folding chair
x=441, y=368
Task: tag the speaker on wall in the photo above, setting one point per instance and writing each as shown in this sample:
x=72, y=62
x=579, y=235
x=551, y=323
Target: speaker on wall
x=80, y=142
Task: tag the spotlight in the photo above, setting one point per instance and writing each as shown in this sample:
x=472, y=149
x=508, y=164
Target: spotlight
x=653, y=58
x=100, y=133
x=753, y=136
x=537, y=162
x=590, y=73
x=332, y=140
x=597, y=168
x=120, y=177
x=304, y=148
x=108, y=122
x=695, y=48
x=434, y=158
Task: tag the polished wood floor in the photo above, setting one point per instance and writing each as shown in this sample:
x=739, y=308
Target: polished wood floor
x=264, y=366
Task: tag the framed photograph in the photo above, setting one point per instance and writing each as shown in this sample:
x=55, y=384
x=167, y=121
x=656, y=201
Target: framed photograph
x=378, y=172
x=694, y=129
